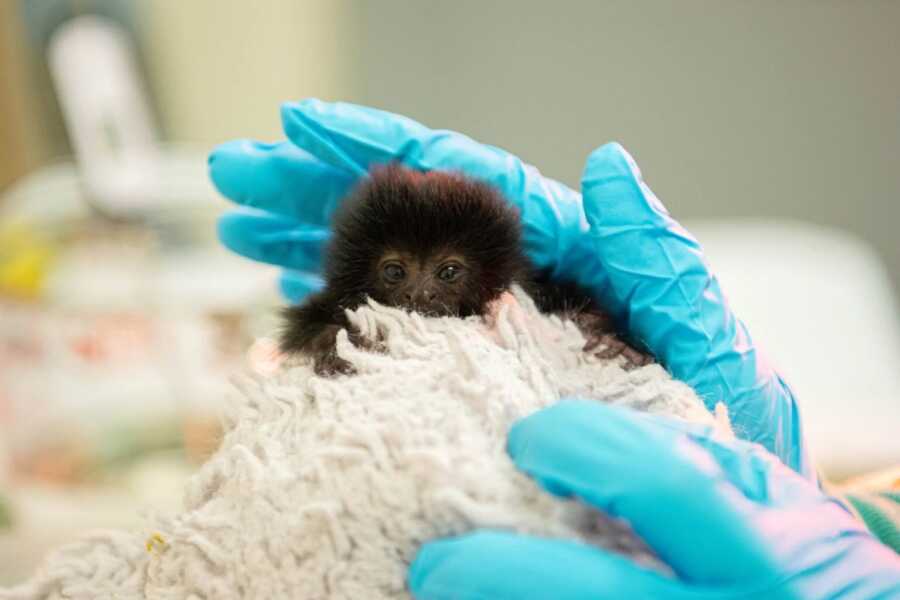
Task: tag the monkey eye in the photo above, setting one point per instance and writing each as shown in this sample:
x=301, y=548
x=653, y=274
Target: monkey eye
x=450, y=273
x=393, y=272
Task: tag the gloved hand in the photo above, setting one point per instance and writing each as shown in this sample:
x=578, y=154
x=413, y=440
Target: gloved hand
x=731, y=521
x=618, y=241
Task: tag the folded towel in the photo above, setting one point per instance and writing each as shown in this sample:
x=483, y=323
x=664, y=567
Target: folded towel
x=325, y=487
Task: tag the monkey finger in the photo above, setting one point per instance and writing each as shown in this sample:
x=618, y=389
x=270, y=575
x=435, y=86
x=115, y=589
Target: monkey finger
x=641, y=358
x=591, y=344
x=636, y=358
x=613, y=346
x=372, y=344
x=280, y=178
x=331, y=364
x=273, y=239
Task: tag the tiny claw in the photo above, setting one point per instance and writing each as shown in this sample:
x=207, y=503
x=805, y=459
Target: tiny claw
x=333, y=364
x=613, y=346
x=592, y=343
x=636, y=358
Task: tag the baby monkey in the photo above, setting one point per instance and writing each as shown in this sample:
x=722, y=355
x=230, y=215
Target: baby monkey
x=436, y=243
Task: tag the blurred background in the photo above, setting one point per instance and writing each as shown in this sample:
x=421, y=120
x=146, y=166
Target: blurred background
x=771, y=129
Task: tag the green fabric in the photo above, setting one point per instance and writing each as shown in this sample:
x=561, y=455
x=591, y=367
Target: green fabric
x=895, y=496
x=881, y=514
x=5, y=516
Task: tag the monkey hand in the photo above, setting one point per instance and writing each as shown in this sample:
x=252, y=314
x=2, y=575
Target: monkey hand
x=727, y=517
x=322, y=348
x=604, y=342
x=616, y=240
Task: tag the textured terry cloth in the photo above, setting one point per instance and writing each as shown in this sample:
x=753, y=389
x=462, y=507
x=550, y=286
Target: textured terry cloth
x=325, y=487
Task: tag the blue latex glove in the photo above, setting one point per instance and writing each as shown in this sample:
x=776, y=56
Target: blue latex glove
x=731, y=520
x=618, y=241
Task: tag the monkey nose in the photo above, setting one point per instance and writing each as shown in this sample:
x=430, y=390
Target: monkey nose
x=419, y=298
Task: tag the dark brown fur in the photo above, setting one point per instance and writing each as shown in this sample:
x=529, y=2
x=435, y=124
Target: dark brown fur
x=423, y=223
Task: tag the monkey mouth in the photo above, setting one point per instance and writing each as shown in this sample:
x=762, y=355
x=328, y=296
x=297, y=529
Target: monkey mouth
x=432, y=309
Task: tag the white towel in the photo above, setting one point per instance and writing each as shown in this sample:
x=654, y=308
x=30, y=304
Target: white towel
x=325, y=487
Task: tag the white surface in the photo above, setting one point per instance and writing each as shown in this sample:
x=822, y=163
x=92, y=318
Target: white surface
x=819, y=302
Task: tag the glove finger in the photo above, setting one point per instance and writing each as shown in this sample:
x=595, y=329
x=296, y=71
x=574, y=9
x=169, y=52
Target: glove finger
x=676, y=307
x=297, y=285
x=279, y=178
x=760, y=476
x=352, y=138
x=273, y=239
x=500, y=565
x=671, y=491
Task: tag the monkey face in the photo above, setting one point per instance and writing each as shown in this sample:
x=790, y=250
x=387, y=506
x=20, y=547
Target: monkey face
x=434, y=284
x=436, y=243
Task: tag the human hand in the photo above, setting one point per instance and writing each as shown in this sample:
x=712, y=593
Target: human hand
x=727, y=516
x=616, y=240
